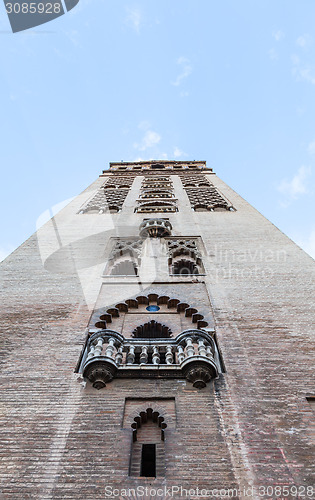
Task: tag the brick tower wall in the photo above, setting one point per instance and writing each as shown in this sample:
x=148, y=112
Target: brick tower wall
x=251, y=427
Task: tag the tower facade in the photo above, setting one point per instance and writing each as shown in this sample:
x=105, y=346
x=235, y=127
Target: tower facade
x=158, y=341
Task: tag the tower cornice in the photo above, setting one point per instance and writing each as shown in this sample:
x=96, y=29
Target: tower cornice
x=158, y=166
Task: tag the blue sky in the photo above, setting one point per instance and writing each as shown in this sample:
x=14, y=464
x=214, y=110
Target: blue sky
x=229, y=82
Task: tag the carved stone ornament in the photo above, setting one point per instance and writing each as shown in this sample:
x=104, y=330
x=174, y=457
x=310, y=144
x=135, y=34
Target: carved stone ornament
x=155, y=228
x=199, y=373
x=100, y=371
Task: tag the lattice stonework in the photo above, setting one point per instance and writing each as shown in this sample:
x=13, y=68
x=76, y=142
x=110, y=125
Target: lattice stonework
x=206, y=198
x=111, y=199
x=195, y=181
x=125, y=257
x=110, y=196
x=130, y=247
x=119, y=182
x=184, y=257
x=202, y=194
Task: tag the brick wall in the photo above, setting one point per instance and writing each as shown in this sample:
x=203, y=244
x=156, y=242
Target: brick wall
x=63, y=439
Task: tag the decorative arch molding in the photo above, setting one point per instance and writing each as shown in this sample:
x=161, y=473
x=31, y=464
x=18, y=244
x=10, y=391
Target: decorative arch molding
x=119, y=181
x=156, y=193
x=157, y=203
x=147, y=449
x=172, y=303
x=127, y=247
x=126, y=267
x=152, y=330
x=143, y=417
x=188, y=252
x=124, y=258
x=157, y=206
x=185, y=266
x=184, y=257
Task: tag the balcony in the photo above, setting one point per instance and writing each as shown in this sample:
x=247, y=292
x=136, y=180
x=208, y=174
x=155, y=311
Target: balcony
x=192, y=355
x=155, y=228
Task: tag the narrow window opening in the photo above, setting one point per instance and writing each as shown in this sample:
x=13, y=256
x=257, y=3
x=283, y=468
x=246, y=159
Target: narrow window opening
x=311, y=402
x=147, y=450
x=148, y=460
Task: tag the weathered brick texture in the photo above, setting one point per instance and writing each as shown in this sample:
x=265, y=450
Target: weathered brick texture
x=62, y=439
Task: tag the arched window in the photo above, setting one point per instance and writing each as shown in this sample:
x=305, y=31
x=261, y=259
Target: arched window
x=185, y=266
x=156, y=206
x=124, y=268
x=148, y=453
x=152, y=330
x=184, y=257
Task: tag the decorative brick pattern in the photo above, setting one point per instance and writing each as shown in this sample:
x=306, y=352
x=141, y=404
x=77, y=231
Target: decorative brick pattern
x=132, y=313
x=125, y=257
x=251, y=427
x=135, y=406
x=206, y=198
x=190, y=180
x=184, y=256
x=119, y=182
x=104, y=200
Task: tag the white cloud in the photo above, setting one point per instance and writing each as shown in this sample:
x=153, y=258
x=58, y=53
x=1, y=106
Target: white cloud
x=304, y=40
x=186, y=70
x=307, y=74
x=303, y=71
x=149, y=145
x=278, y=35
x=300, y=110
x=178, y=152
x=295, y=59
x=297, y=185
x=144, y=125
x=184, y=93
x=149, y=140
x=134, y=18
x=273, y=54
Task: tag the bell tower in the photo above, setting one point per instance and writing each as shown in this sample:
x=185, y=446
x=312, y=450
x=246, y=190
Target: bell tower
x=157, y=338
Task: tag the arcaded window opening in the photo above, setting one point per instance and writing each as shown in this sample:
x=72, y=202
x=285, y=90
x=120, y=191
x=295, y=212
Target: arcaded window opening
x=184, y=258
x=185, y=266
x=124, y=258
x=156, y=195
x=124, y=268
x=148, y=450
x=152, y=330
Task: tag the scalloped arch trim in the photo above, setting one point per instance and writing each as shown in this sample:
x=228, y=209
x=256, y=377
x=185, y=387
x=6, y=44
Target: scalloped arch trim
x=143, y=417
x=172, y=303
